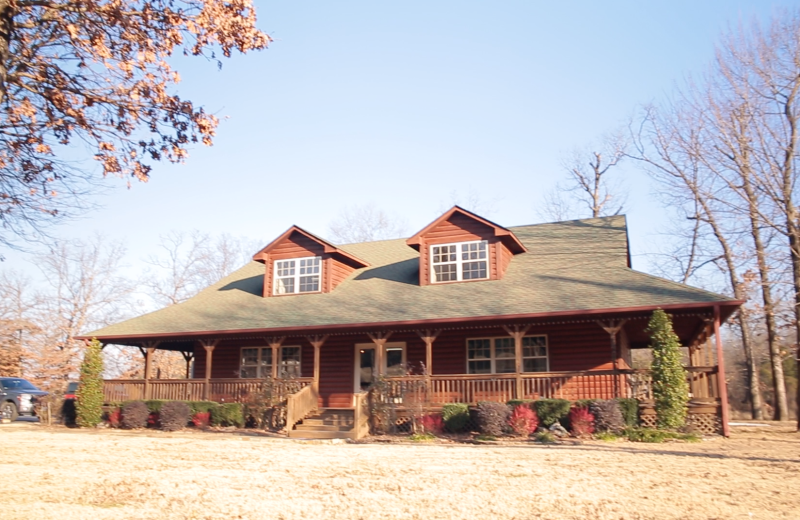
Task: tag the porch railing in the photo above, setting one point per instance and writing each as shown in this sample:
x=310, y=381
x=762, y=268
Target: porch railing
x=593, y=384
x=220, y=390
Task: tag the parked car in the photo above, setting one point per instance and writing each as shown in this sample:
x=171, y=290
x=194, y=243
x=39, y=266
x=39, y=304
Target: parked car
x=72, y=388
x=18, y=397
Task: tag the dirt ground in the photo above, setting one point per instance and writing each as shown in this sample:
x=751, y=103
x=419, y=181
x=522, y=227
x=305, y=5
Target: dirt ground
x=56, y=473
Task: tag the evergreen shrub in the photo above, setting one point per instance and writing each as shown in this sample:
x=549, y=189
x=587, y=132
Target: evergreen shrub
x=201, y=406
x=455, y=416
x=228, y=414
x=670, y=388
x=551, y=411
x=134, y=415
x=492, y=417
x=89, y=397
x=630, y=410
x=174, y=415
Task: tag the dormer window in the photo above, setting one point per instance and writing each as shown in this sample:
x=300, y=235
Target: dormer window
x=459, y=262
x=298, y=275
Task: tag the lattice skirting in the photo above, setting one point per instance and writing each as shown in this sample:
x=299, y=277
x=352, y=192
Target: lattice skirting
x=705, y=423
x=648, y=421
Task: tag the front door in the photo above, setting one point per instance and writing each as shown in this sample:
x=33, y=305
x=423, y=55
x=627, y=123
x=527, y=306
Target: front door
x=365, y=367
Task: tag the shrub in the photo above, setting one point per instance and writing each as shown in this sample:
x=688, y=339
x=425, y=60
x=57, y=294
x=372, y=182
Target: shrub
x=201, y=420
x=670, y=388
x=227, y=414
x=201, y=406
x=153, y=420
x=607, y=416
x=492, y=417
x=585, y=403
x=114, y=417
x=134, y=415
x=523, y=420
x=630, y=410
x=432, y=423
x=174, y=416
x=455, y=417
x=89, y=397
x=581, y=422
x=545, y=437
x=154, y=405
x=513, y=403
x=551, y=411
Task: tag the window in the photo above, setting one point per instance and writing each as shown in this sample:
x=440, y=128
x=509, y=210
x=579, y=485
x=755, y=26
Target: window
x=257, y=362
x=459, y=262
x=298, y=275
x=496, y=355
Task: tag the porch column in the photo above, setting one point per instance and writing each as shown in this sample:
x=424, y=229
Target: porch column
x=380, y=339
x=316, y=342
x=518, y=332
x=188, y=357
x=147, y=349
x=723, y=390
x=613, y=328
x=209, y=345
x=275, y=345
x=428, y=337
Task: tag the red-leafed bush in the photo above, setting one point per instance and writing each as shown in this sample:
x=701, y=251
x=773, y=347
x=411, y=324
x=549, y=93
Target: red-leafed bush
x=153, y=420
x=581, y=421
x=114, y=417
x=523, y=420
x=201, y=420
x=432, y=423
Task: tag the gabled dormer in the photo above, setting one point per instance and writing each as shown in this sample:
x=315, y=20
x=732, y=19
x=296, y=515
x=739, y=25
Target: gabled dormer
x=460, y=246
x=298, y=262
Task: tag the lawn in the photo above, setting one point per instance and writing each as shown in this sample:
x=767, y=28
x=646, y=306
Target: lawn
x=57, y=473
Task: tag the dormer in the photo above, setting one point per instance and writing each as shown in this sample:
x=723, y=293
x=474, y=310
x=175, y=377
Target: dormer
x=460, y=246
x=298, y=262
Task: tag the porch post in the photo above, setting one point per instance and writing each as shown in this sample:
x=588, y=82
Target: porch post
x=209, y=345
x=723, y=390
x=275, y=345
x=316, y=342
x=188, y=356
x=428, y=337
x=147, y=349
x=380, y=339
x=518, y=333
x=613, y=328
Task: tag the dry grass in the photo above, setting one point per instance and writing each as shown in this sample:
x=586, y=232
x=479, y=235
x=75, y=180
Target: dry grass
x=72, y=474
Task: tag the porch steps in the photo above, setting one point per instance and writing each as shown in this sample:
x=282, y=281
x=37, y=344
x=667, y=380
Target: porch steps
x=327, y=423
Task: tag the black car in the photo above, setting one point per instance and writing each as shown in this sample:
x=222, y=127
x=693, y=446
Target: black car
x=17, y=397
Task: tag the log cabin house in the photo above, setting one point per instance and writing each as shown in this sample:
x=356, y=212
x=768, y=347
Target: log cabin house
x=474, y=310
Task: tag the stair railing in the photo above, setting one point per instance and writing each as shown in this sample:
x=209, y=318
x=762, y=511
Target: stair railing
x=300, y=404
x=361, y=415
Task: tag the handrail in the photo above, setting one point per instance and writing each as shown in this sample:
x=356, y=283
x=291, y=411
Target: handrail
x=361, y=415
x=300, y=404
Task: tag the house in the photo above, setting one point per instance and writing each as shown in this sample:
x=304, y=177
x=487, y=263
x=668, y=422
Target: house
x=473, y=310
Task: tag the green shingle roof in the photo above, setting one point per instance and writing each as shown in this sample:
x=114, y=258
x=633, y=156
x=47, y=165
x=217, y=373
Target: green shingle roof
x=570, y=266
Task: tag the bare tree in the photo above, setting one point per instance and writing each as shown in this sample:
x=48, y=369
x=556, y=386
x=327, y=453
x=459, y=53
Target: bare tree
x=17, y=301
x=190, y=262
x=364, y=224
x=588, y=184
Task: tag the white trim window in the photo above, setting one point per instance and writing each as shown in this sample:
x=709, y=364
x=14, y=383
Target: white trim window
x=298, y=275
x=496, y=355
x=256, y=362
x=459, y=262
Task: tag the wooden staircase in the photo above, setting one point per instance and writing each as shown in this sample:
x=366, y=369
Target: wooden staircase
x=327, y=423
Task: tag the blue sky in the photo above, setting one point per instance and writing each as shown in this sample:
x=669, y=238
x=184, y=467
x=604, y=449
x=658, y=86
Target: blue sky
x=404, y=104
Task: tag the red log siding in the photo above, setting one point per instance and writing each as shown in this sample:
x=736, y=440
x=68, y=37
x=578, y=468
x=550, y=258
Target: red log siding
x=339, y=272
x=572, y=347
x=458, y=228
x=504, y=256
